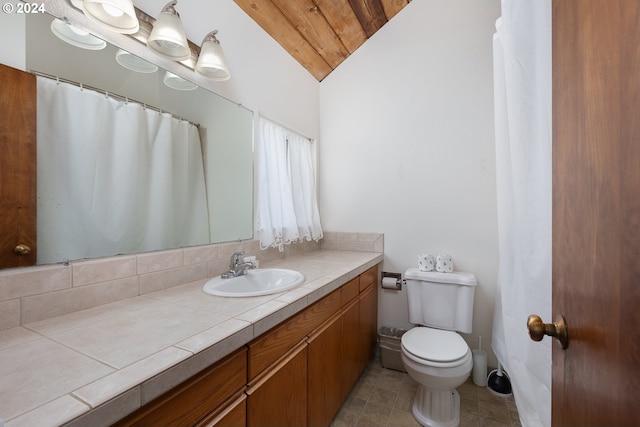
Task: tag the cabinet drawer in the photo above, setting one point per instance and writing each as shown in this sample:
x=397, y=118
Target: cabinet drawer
x=191, y=401
x=368, y=278
x=267, y=348
x=350, y=290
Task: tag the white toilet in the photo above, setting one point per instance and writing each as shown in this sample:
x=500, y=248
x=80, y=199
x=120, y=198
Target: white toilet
x=433, y=353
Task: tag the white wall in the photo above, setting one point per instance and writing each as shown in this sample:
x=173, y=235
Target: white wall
x=407, y=146
x=12, y=26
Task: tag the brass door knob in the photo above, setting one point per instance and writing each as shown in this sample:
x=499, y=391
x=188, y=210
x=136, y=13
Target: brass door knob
x=558, y=330
x=22, y=250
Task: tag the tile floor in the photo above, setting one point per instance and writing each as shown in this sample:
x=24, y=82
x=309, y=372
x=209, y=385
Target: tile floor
x=383, y=397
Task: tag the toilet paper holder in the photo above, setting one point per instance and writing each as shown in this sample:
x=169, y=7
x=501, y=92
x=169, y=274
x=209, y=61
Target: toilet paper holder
x=398, y=280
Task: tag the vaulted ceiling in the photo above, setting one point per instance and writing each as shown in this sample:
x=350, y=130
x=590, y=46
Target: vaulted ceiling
x=320, y=34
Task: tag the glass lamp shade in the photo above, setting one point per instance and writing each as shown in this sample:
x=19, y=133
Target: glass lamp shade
x=211, y=62
x=116, y=15
x=178, y=83
x=134, y=63
x=167, y=38
x=75, y=36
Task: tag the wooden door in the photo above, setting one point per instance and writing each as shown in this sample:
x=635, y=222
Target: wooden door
x=17, y=167
x=596, y=211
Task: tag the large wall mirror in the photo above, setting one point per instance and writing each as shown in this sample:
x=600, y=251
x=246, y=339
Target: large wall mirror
x=225, y=130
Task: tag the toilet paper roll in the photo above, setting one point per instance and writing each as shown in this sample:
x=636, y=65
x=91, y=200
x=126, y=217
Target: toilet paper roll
x=480, y=368
x=390, y=283
x=444, y=263
x=426, y=262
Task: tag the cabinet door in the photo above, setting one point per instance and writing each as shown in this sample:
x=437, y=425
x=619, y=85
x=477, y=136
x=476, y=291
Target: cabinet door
x=325, y=373
x=270, y=346
x=350, y=346
x=278, y=397
x=367, y=324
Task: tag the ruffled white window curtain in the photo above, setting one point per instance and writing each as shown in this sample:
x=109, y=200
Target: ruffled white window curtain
x=522, y=89
x=114, y=177
x=287, y=208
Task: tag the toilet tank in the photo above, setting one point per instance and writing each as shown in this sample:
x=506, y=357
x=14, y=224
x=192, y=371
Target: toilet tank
x=441, y=300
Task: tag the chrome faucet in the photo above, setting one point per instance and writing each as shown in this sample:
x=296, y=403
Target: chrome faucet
x=237, y=268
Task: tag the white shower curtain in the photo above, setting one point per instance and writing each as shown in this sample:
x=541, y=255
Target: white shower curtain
x=287, y=208
x=522, y=90
x=114, y=177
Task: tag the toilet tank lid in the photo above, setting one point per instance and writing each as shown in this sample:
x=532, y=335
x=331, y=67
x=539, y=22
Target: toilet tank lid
x=457, y=277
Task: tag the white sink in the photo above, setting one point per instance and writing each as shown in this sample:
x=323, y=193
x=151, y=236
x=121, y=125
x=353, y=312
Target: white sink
x=262, y=281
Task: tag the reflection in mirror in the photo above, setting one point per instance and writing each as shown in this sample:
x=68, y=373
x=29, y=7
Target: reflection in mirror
x=225, y=130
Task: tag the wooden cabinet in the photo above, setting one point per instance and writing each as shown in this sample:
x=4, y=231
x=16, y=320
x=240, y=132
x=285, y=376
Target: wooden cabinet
x=270, y=346
x=278, y=397
x=203, y=396
x=350, y=319
x=340, y=330
x=232, y=414
x=325, y=372
x=367, y=325
x=359, y=326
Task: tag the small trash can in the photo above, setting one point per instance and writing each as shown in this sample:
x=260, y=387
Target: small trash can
x=390, y=349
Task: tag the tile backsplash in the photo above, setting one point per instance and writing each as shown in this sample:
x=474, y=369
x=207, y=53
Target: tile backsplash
x=31, y=294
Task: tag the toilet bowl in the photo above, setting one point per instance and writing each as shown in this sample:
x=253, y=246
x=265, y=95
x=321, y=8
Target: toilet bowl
x=439, y=361
x=433, y=353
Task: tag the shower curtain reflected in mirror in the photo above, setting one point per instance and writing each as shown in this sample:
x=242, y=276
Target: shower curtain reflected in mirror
x=137, y=186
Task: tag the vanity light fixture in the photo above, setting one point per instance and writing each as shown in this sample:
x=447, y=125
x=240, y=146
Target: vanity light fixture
x=116, y=15
x=76, y=36
x=211, y=62
x=167, y=37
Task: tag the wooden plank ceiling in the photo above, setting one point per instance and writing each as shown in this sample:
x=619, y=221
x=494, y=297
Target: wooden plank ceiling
x=320, y=34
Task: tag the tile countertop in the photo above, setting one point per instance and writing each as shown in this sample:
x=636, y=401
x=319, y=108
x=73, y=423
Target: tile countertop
x=95, y=366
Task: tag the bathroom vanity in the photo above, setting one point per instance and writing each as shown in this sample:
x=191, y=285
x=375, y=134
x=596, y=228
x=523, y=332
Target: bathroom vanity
x=174, y=355
x=296, y=374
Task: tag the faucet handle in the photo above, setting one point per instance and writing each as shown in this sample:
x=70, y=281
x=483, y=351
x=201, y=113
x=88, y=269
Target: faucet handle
x=235, y=258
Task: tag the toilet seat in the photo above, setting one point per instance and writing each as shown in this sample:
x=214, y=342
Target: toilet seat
x=435, y=347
